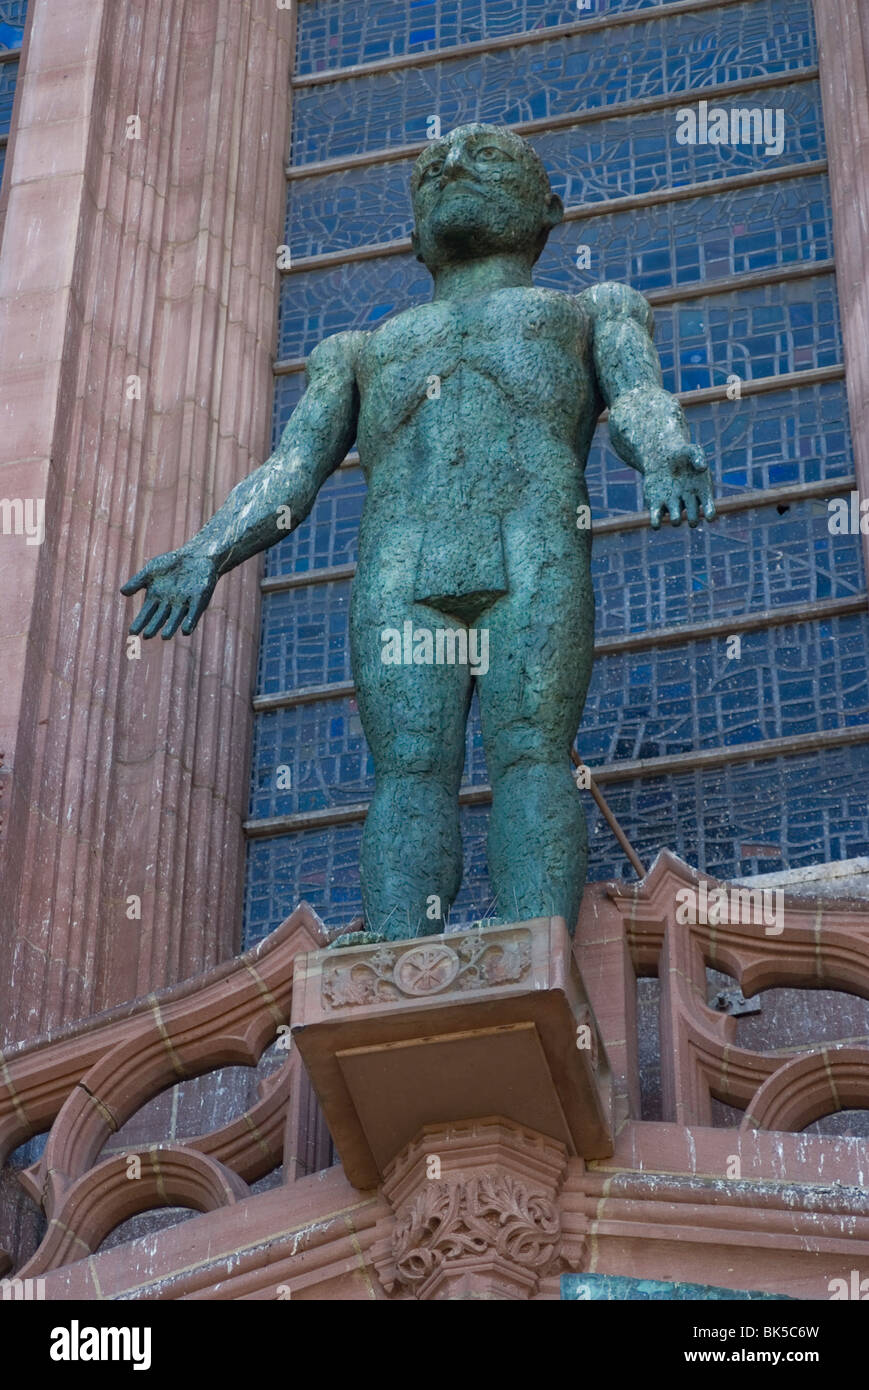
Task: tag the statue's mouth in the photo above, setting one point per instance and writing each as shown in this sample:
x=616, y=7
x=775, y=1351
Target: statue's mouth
x=462, y=185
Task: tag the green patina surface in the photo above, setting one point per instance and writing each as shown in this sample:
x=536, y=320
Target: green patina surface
x=607, y=1288
x=473, y=416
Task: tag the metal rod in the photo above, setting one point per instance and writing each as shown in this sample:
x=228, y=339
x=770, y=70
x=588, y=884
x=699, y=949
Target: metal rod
x=603, y=807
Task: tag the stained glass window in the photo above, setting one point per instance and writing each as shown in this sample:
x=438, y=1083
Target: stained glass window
x=733, y=243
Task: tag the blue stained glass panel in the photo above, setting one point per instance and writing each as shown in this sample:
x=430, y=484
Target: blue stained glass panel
x=745, y=818
x=784, y=681
x=305, y=638
x=340, y=33
x=319, y=867
x=745, y=562
x=316, y=303
x=688, y=53
x=781, y=681
x=329, y=534
x=757, y=442
x=288, y=393
x=679, y=244
x=622, y=156
x=618, y=157
x=8, y=81
x=772, y=439
x=13, y=13
x=756, y=332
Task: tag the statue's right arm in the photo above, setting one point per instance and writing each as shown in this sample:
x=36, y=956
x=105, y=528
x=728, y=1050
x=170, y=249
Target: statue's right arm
x=266, y=505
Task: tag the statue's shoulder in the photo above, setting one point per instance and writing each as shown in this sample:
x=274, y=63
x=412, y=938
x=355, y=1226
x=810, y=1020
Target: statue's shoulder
x=337, y=353
x=609, y=300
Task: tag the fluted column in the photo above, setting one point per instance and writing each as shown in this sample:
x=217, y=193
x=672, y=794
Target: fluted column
x=843, y=52
x=138, y=291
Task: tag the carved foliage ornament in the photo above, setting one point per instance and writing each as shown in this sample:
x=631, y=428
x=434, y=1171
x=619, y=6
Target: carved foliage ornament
x=480, y=1217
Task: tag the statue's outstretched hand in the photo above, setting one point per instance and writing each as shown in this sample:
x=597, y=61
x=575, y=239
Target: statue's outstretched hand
x=179, y=587
x=679, y=477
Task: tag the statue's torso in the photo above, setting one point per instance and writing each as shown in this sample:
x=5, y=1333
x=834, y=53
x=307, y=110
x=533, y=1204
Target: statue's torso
x=473, y=381
x=475, y=420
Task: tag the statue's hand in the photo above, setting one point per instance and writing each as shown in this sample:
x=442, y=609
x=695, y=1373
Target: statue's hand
x=679, y=477
x=179, y=586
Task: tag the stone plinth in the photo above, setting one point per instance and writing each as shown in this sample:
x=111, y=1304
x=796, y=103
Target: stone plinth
x=491, y=1021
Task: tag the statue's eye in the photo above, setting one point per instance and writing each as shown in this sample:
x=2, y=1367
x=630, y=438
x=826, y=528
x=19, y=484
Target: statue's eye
x=490, y=152
x=433, y=169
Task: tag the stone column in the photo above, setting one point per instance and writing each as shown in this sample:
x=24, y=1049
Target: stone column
x=138, y=291
x=843, y=51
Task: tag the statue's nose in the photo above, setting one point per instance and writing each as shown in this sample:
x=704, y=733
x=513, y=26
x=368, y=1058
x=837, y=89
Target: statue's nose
x=454, y=164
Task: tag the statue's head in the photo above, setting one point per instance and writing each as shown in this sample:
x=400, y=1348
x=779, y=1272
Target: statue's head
x=481, y=191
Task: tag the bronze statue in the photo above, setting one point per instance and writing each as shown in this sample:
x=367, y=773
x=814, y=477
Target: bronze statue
x=473, y=416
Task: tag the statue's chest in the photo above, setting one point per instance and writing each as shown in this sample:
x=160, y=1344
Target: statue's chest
x=516, y=343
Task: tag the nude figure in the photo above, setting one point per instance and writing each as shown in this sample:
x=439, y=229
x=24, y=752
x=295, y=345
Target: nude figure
x=473, y=416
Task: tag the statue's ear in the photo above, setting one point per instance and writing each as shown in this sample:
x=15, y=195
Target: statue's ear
x=554, y=210
x=553, y=213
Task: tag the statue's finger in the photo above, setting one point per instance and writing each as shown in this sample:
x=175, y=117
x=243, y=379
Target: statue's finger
x=137, y=582
x=146, y=612
x=196, y=611
x=698, y=459
x=701, y=486
x=704, y=492
x=158, y=620
x=674, y=507
x=692, y=508
x=174, y=621
x=655, y=517
x=684, y=454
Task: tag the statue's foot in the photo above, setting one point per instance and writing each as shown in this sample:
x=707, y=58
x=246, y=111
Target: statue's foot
x=356, y=938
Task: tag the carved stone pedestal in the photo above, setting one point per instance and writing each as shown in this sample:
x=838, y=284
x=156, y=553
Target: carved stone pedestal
x=476, y=1214
x=490, y=1021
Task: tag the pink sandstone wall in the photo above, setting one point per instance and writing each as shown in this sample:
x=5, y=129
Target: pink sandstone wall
x=843, y=52
x=152, y=257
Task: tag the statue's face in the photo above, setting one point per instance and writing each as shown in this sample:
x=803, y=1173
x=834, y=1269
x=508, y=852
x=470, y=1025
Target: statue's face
x=478, y=191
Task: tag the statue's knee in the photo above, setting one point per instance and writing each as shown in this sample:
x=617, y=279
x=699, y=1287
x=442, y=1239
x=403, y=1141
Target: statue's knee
x=411, y=755
x=521, y=746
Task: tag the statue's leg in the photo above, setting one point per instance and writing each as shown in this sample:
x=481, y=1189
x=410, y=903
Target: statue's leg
x=414, y=717
x=531, y=700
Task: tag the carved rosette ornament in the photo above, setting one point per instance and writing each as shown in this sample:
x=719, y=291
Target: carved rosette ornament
x=408, y=970
x=493, y=1219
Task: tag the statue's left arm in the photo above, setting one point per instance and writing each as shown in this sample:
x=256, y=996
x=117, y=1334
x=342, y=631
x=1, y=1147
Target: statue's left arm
x=646, y=423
